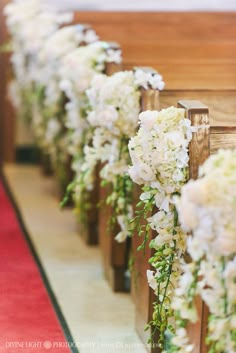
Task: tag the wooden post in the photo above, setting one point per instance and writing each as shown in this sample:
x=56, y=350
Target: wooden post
x=96, y=218
x=199, y=148
x=199, y=151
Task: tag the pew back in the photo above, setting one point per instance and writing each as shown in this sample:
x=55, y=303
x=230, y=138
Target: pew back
x=193, y=51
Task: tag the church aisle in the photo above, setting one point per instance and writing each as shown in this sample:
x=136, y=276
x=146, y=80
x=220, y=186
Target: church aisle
x=99, y=320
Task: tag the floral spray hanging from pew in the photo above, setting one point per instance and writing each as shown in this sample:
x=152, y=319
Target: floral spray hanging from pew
x=113, y=116
x=77, y=72
x=207, y=208
x=49, y=101
x=22, y=18
x=160, y=157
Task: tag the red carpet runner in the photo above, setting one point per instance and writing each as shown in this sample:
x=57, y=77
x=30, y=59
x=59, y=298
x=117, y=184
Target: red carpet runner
x=28, y=320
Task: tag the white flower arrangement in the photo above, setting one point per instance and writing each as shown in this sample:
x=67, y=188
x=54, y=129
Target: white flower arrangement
x=113, y=115
x=49, y=104
x=207, y=207
x=159, y=154
x=22, y=17
x=77, y=72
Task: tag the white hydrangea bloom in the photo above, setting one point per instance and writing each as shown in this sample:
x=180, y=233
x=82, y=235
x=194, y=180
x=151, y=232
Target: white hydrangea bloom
x=159, y=153
x=207, y=207
x=114, y=108
x=200, y=207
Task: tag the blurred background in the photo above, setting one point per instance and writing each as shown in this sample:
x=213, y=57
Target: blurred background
x=147, y=5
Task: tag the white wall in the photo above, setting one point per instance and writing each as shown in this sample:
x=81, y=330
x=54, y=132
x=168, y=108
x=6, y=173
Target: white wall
x=147, y=5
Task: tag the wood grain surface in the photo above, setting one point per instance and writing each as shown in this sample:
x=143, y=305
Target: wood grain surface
x=192, y=50
x=221, y=104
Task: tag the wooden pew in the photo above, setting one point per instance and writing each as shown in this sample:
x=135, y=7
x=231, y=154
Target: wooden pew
x=202, y=58
x=222, y=137
x=205, y=141
x=196, y=64
x=116, y=255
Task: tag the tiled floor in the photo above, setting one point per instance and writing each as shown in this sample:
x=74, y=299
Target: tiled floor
x=100, y=321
